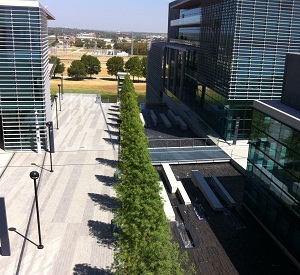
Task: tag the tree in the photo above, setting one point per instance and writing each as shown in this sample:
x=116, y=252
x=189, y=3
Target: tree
x=88, y=43
x=144, y=66
x=144, y=240
x=101, y=44
x=114, y=65
x=133, y=66
x=138, y=48
x=92, y=64
x=78, y=43
x=60, y=67
x=77, y=69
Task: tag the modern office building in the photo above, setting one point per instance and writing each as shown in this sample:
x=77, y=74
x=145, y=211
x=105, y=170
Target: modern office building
x=220, y=56
x=272, y=191
x=25, y=104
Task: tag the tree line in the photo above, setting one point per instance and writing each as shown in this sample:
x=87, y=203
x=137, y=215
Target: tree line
x=144, y=244
x=90, y=65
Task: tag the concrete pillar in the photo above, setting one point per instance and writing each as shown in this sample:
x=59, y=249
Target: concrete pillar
x=182, y=74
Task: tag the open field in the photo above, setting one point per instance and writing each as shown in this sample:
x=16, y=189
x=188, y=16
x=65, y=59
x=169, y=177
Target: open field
x=103, y=82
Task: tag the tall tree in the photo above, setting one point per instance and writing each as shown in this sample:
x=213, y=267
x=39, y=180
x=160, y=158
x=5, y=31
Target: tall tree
x=114, y=65
x=77, y=69
x=60, y=67
x=144, y=241
x=92, y=64
x=134, y=66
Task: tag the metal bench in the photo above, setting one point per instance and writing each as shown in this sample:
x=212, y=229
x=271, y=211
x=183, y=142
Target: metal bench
x=165, y=120
x=172, y=117
x=153, y=117
x=217, y=185
x=210, y=196
x=181, y=123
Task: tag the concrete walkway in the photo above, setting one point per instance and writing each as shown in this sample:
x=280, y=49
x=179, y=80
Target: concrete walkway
x=75, y=201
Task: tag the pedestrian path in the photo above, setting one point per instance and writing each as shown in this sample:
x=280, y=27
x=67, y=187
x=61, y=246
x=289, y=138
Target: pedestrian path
x=75, y=201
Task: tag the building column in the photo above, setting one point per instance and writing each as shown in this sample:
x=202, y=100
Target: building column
x=182, y=74
x=175, y=72
x=169, y=54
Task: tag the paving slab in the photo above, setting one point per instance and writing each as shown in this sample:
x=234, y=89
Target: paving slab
x=75, y=201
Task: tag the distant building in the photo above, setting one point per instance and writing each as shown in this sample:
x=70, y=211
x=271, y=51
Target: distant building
x=220, y=56
x=66, y=39
x=272, y=191
x=25, y=104
x=90, y=36
x=122, y=53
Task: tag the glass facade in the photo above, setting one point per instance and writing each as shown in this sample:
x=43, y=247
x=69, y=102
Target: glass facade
x=233, y=54
x=24, y=76
x=272, y=191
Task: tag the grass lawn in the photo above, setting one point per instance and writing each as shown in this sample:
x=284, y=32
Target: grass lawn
x=107, y=88
x=102, y=83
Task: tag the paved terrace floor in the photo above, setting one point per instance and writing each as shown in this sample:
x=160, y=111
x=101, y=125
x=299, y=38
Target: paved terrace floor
x=76, y=200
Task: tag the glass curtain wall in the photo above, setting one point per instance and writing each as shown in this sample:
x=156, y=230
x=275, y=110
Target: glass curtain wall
x=240, y=56
x=272, y=191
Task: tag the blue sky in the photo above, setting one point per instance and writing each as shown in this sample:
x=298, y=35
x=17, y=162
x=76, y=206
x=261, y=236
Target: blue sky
x=111, y=15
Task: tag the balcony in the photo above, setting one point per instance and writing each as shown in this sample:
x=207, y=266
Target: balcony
x=187, y=21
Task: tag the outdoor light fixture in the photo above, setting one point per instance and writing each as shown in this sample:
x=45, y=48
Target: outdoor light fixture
x=35, y=175
x=49, y=124
x=62, y=89
x=59, y=94
x=55, y=98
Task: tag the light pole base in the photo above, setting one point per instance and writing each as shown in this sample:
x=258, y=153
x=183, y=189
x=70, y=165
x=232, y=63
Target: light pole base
x=40, y=246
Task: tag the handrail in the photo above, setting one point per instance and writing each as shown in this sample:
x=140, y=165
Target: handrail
x=185, y=142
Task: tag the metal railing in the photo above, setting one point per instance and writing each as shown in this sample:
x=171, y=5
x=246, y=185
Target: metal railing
x=186, y=142
x=205, y=156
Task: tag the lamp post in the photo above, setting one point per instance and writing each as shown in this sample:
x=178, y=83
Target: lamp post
x=55, y=98
x=59, y=96
x=62, y=86
x=35, y=175
x=49, y=124
x=119, y=137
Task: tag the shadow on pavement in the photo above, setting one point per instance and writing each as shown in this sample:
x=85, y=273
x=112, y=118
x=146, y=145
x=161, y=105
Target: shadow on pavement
x=114, y=125
x=114, y=114
x=114, y=119
x=111, y=140
x=107, y=162
x=86, y=269
x=113, y=133
x=105, y=202
x=107, y=180
x=102, y=232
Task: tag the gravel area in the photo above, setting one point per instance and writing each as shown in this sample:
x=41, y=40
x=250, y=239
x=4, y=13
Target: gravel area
x=230, y=242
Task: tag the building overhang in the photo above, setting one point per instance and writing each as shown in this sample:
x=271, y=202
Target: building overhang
x=279, y=111
x=185, y=4
x=27, y=3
